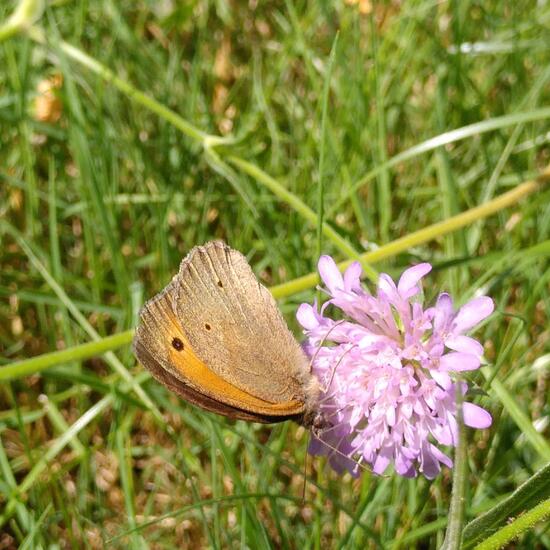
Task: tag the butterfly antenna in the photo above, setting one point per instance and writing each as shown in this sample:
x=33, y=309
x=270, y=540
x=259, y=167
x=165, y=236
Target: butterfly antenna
x=337, y=451
x=334, y=449
x=322, y=342
x=358, y=462
x=332, y=374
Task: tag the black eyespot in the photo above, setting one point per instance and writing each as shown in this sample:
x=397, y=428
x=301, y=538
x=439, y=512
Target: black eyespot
x=220, y=284
x=207, y=326
x=177, y=344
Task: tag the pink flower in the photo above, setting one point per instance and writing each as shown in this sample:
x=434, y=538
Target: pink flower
x=386, y=371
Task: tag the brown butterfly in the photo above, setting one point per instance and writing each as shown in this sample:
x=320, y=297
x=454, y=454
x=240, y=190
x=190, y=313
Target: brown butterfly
x=215, y=337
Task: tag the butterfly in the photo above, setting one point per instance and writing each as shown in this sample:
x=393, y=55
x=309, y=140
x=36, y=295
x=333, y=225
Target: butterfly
x=215, y=336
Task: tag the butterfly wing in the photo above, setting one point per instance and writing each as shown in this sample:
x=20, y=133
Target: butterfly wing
x=234, y=326
x=168, y=350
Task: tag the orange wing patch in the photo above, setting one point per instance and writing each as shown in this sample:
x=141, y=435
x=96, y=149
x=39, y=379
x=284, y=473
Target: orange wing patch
x=192, y=369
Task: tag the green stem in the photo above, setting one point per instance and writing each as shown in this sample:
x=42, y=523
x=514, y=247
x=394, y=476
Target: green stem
x=426, y=234
x=453, y=535
x=304, y=210
x=81, y=352
x=26, y=13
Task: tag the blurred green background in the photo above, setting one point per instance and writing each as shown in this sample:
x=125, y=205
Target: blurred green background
x=103, y=192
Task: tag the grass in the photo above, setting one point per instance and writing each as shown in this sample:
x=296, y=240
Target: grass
x=431, y=110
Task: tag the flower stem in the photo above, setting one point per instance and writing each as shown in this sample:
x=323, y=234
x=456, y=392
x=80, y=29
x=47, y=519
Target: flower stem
x=453, y=536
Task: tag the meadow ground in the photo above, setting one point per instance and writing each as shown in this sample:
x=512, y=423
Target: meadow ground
x=431, y=109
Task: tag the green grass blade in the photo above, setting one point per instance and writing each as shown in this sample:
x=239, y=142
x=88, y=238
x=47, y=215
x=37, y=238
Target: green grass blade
x=29, y=543
x=528, y=495
x=446, y=138
x=25, y=14
x=324, y=114
x=526, y=521
x=26, y=367
x=110, y=357
x=32, y=477
x=539, y=443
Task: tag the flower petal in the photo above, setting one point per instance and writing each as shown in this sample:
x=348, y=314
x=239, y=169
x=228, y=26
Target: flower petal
x=307, y=316
x=444, y=435
x=443, y=311
x=404, y=466
x=341, y=463
x=442, y=457
x=429, y=465
x=329, y=273
x=475, y=416
x=464, y=344
x=317, y=447
x=387, y=286
x=382, y=462
x=458, y=361
x=442, y=378
x=390, y=416
x=408, y=281
x=352, y=276
x=386, y=371
x=472, y=313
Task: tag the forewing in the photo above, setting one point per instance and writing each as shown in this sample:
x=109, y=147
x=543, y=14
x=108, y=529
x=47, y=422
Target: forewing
x=235, y=327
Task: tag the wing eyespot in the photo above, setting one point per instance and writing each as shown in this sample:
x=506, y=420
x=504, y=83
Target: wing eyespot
x=220, y=284
x=177, y=344
x=207, y=326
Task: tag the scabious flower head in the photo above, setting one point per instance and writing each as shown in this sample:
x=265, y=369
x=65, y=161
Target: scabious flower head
x=386, y=370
